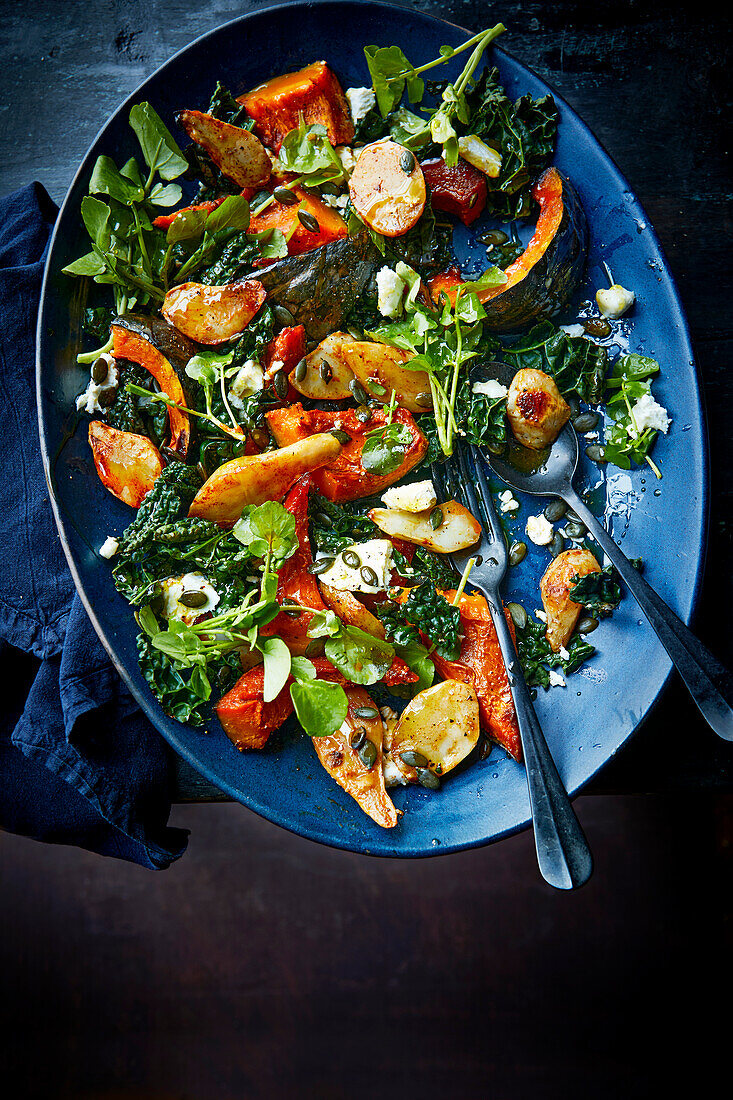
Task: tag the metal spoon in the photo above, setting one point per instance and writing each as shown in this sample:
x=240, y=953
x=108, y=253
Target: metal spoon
x=709, y=683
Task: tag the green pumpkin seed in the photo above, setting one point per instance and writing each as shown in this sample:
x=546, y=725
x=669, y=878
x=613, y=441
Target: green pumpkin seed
x=281, y=384
x=517, y=552
x=369, y=576
x=574, y=406
x=557, y=545
x=366, y=712
x=308, y=221
x=193, y=599
x=575, y=530
x=426, y=779
x=368, y=754
x=586, y=422
x=587, y=625
x=107, y=398
x=424, y=400
x=100, y=370
x=343, y=437
x=555, y=510
x=597, y=326
x=321, y=566
x=407, y=161
x=518, y=614
x=595, y=453
x=414, y=759
x=283, y=315
x=495, y=237
x=325, y=371
x=358, y=392
x=363, y=414
x=352, y=559
x=436, y=518
x=301, y=369
x=285, y=196
x=357, y=738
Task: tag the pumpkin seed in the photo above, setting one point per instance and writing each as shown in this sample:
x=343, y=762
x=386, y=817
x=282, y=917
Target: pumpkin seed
x=424, y=400
x=100, y=370
x=358, y=392
x=413, y=759
x=574, y=406
x=107, y=398
x=368, y=754
x=363, y=414
x=281, y=384
x=495, y=237
x=596, y=326
x=586, y=422
x=285, y=196
x=308, y=221
x=283, y=315
x=518, y=614
x=358, y=737
x=555, y=510
x=301, y=369
x=587, y=625
x=436, y=518
x=343, y=437
x=366, y=712
x=369, y=576
x=575, y=530
x=595, y=453
x=407, y=161
x=314, y=648
x=557, y=545
x=193, y=599
x=572, y=516
x=352, y=559
x=426, y=779
x=325, y=371
x=517, y=552
x=321, y=566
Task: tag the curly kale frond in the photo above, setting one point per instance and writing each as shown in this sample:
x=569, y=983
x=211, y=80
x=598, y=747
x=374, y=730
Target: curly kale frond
x=537, y=657
x=600, y=593
x=425, y=610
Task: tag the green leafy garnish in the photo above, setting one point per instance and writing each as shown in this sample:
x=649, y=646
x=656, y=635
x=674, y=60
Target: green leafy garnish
x=630, y=380
x=308, y=153
x=268, y=530
x=537, y=658
x=359, y=656
x=598, y=592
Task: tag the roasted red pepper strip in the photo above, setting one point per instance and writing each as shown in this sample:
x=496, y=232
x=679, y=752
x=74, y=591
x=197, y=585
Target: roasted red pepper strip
x=460, y=190
x=163, y=221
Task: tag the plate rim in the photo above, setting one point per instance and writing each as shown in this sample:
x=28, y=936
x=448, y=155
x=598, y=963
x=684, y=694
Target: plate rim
x=147, y=703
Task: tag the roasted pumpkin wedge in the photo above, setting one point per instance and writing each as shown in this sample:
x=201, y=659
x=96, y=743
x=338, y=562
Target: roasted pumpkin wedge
x=351, y=610
x=252, y=479
x=545, y=276
x=559, y=577
x=440, y=724
x=312, y=93
x=456, y=530
x=353, y=757
x=127, y=464
x=213, y=314
x=135, y=339
x=331, y=226
x=387, y=188
x=238, y=154
x=344, y=477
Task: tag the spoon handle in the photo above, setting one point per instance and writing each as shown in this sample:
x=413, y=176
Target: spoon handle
x=709, y=683
x=563, y=854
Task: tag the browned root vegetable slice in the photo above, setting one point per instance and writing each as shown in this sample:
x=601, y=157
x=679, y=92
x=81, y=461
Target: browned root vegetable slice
x=326, y=375
x=238, y=153
x=387, y=188
x=253, y=479
x=536, y=409
x=441, y=724
x=457, y=529
x=559, y=577
x=364, y=783
x=380, y=364
x=351, y=610
x=127, y=464
x=213, y=314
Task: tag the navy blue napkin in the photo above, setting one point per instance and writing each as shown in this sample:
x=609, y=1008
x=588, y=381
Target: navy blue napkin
x=81, y=765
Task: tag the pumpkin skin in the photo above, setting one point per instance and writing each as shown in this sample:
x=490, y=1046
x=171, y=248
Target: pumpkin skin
x=542, y=280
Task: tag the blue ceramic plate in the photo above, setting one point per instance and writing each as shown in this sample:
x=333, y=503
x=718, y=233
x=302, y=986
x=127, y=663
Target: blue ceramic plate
x=663, y=522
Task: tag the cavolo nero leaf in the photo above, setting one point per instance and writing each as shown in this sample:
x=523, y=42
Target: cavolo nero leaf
x=575, y=363
x=598, y=592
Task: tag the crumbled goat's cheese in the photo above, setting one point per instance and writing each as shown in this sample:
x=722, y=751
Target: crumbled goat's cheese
x=417, y=497
x=491, y=388
x=556, y=680
x=375, y=554
x=648, y=413
x=390, y=289
x=615, y=301
x=508, y=501
x=109, y=547
x=539, y=530
x=361, y=101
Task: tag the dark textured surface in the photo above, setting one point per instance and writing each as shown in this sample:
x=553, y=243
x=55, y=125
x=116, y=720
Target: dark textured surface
x=263, y=966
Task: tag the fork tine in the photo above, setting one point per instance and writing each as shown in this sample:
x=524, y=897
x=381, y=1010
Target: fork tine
x=479, y=466
x=468, y=493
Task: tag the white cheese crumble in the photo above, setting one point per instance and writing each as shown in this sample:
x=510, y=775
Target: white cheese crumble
x=540, y=615
x=347, y=157
x=615, y=301
x=338, y=202
x=417, y=497
x=173, y=589
x=491, y=388
x=539, y=530
x=508, y=501
x=109, y=547
x=648, y=413
x=361, y=101
x=249, y=379
x=89, y=400
x=375, y=554
x=573, y=330
x=390, y=289
x=564, y=653
x=556, y=680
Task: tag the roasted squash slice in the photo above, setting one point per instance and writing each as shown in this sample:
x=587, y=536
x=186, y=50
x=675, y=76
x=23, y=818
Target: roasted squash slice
x=313, y=93
x=331, y=226
x=127, y=464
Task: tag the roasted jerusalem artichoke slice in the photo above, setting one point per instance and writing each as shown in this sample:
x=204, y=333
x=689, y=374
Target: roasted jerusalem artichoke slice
x=536, y=409
x=236, y=152
x=441, y=724
x=380, y=370
x=127, y=464
x=457, y=529
x=213, y=314
x=353, y=757
x=326, y=376
x=252, y=479
x=559, y=577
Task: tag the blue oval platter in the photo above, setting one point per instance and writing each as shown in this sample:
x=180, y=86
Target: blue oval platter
x=662, y=522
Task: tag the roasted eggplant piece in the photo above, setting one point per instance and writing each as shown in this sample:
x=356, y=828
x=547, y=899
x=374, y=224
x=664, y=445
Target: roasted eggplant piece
x=127, y=464
x=237, y=153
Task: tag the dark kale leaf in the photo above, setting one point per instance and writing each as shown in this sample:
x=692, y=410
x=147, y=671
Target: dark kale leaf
x=429, y=611
x=537, y=658
x=371, y=128
x=234, y=260
x=600, y=593
x=224, y=106
x=336, y=526
x=435, y=566
x=168, y=500
x=577, y=365
x=97, y=320
x=427, y=247
x=171, y=685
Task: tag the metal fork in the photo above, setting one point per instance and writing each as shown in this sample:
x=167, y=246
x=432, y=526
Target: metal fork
x=563, y=854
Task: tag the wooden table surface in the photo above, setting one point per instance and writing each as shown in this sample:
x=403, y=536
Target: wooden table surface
x=652, y=80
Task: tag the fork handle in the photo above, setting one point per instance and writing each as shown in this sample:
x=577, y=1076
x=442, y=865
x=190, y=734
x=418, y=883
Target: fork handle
x=708, y=682
x=563, y=854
